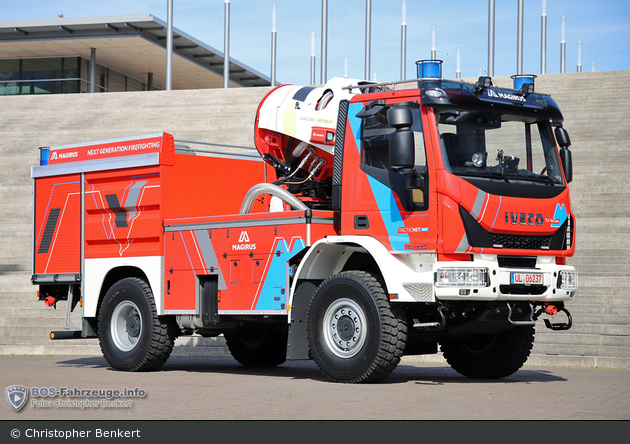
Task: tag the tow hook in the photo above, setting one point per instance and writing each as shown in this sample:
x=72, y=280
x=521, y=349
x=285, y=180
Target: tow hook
x=553, y=310
x=50, y=301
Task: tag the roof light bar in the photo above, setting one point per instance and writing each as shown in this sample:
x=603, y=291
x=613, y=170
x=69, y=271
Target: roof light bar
x=429, y=70
x=524, y=83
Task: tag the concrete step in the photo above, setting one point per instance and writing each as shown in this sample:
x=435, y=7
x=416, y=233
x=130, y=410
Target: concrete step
x=53, y=348
x=573, y=339
x=585, y=350
x=609, y=319
x=556, y=359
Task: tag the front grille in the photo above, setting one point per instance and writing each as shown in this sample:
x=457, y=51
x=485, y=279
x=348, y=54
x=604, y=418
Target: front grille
x=516, y=261
x=479, y=237
x=520, y=242
x=522, y=289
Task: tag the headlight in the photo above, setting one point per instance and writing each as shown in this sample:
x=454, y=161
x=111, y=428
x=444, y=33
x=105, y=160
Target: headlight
x=568, y=280
x=435, y=93
x=462, y=277
x=479, y=159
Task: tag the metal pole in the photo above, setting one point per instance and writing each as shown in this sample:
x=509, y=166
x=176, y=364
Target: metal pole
x=273, y=46
x=433, y=51
x=345, y=66
x=313, y=58
x=579, y=64
x=458, y=73
x=93, y=70
x=543, y=39
x=491, y=38
x=563, y=46
x=403, y=41
x=169, y=46
x=519, y=39
x=368, y=31
x=226, y=46
x=324, y=39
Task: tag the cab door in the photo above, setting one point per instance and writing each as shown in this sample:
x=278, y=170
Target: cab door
x=393, y=204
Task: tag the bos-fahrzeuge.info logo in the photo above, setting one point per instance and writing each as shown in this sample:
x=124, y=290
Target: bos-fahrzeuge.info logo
x=17, y=395
x=49, y=397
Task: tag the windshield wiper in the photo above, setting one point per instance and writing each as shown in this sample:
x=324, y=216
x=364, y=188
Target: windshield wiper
x=488, y=174
x=534, y=178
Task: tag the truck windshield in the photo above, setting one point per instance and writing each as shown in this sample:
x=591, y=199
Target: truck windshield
x=499, y=147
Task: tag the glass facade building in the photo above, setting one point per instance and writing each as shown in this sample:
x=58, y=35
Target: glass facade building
x=60, y=75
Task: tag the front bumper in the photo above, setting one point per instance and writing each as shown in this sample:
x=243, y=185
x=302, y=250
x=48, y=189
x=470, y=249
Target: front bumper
x=546, y=281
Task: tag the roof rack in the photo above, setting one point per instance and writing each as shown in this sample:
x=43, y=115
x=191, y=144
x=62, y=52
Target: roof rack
x=399, y=82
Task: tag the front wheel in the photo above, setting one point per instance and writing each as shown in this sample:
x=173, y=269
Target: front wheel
x=132, y=336
x=353, y=333
x=489, y=355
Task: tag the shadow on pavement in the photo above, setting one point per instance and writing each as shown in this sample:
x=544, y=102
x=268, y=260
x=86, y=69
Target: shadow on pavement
x=424, y=373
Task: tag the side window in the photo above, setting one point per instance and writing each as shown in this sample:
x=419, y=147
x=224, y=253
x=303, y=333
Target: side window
x=375, y=132
x=375, y=141
x=411, y=186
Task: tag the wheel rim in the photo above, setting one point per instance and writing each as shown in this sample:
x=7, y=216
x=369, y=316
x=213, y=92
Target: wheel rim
x=126, y=326
x=345, y=328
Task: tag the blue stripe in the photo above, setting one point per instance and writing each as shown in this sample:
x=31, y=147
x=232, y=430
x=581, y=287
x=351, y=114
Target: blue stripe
x=383, y=195
x=495, y=216
x=390, y=214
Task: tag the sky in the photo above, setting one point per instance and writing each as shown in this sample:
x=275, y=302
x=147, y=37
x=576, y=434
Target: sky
x=602, y=26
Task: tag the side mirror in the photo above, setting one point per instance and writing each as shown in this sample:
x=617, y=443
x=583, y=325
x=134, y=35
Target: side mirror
x=567, y=163
x=399, y=117
x=401, y=142
x=562, y=136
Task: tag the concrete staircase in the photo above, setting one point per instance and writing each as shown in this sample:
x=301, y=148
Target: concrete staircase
x=28, y=122
x=597, y=116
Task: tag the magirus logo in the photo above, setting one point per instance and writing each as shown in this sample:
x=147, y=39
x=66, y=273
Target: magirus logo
x=55, y=156
x=243, y=244
x=501, y=95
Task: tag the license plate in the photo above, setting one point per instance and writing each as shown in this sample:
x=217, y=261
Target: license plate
x=526, y=278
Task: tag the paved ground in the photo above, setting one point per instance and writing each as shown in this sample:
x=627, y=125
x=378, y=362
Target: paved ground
x=221, y=389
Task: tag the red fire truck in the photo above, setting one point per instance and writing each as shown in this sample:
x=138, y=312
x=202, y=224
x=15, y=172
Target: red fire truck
x=379, y=220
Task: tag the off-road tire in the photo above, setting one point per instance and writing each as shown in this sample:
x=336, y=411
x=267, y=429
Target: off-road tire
x=489, y=356
x=354, y=334
x=131, y=334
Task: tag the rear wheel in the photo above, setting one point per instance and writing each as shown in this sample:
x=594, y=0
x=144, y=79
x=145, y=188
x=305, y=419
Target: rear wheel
x=353, y=333
x=132, y=336
x=258, y=346
x=489, y=355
